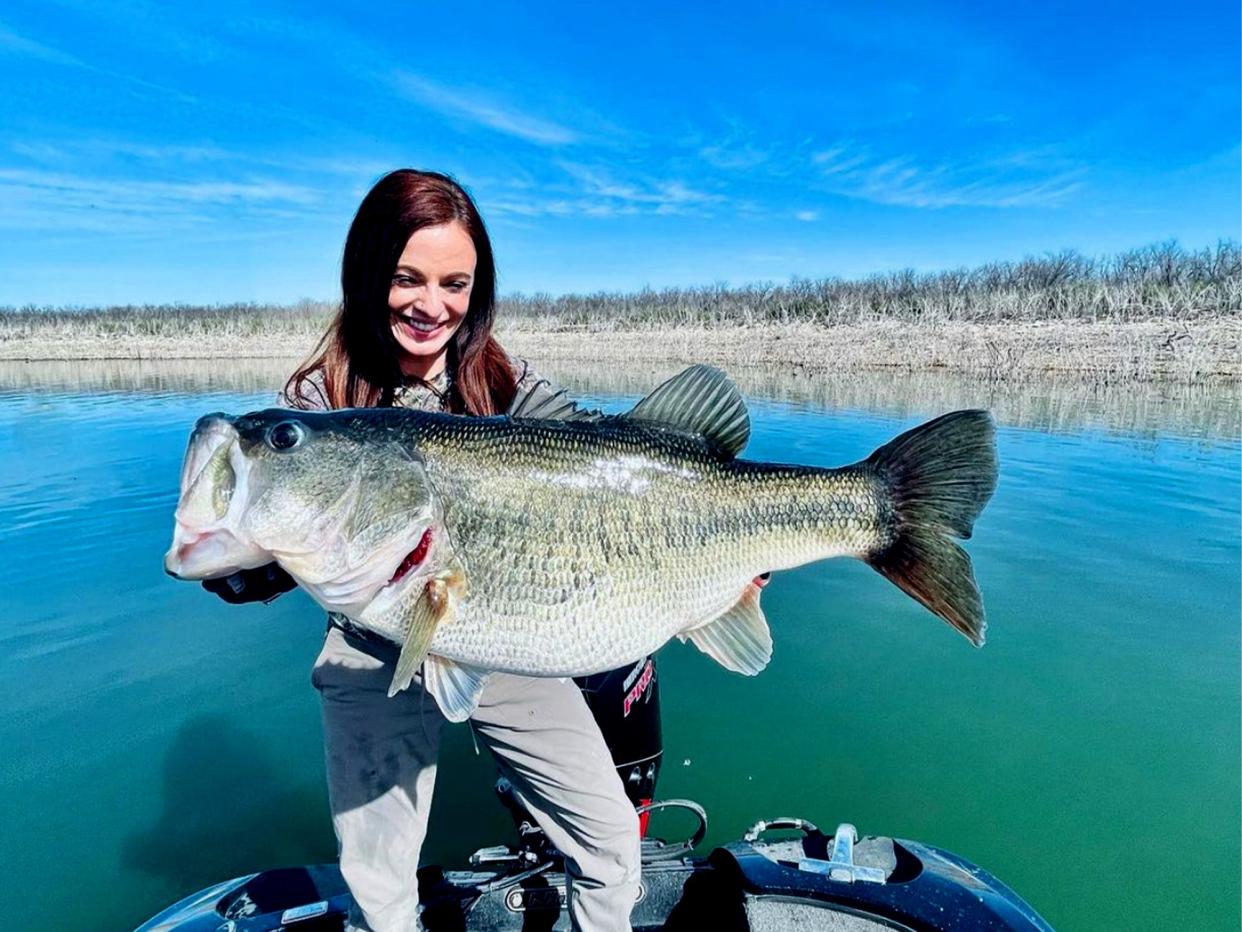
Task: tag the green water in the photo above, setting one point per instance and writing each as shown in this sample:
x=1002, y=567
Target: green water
x=155, y=739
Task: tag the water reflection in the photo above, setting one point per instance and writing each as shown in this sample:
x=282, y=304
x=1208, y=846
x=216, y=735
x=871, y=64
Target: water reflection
x=1208, y=410
x=181, y=376
x=229, y=802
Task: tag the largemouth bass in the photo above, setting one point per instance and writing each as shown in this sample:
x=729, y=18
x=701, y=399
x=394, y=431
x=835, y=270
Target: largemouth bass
x=567, y=547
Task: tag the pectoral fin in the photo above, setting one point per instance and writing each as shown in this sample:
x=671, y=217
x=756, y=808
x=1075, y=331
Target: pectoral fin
x=434, y=607
x=455, y=686
x=739, y=640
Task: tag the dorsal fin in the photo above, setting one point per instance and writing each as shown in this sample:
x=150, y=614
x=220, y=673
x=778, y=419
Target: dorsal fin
x=699, y=400
x=538, y=400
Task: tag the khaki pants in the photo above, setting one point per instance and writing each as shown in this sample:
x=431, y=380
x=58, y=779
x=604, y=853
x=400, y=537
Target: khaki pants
x=381, y=763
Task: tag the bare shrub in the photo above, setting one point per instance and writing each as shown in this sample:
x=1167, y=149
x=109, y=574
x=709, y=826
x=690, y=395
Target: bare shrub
x=1163, y=280
x=1160, y=311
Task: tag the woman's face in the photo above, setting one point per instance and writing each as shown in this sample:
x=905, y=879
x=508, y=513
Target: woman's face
x=430, y=294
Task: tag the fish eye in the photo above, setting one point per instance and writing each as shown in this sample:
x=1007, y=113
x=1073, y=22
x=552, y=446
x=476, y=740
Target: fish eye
x=285, y=436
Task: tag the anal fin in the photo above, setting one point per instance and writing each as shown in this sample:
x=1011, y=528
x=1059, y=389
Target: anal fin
x=455, y=686
x=739, y=640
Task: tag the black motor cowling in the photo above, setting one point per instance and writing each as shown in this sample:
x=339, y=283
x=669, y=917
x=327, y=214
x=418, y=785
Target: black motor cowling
x=626, y=705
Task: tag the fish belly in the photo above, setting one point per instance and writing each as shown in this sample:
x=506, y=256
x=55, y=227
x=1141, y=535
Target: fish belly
x=579, y=638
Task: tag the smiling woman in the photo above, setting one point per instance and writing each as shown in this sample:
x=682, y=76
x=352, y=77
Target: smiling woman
x=414, y=331
x=418, y=285
x=430, y=295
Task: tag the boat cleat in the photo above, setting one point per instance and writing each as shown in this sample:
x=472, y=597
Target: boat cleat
x=503, y=856
x=841, y=866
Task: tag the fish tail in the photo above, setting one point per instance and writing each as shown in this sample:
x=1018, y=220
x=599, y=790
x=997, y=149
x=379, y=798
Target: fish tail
x=939, y=476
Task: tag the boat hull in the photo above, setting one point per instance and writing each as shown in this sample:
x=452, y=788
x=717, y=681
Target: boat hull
x=739, y=886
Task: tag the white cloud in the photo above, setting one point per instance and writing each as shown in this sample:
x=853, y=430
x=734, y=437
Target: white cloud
x=476, y=108
x=59, y=200
x=838, y=159
x=729, y=155
x=1032, y=178
x=16, y=44
x=64, y=152
x=67, y=150
x=557, y=207
x=193, y=191
x=594, y=192
x=656, y=195
x=807, y=216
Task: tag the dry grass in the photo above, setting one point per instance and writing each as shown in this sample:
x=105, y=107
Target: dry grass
x=1151, y=349
x=146, y=331
x=1161, y=312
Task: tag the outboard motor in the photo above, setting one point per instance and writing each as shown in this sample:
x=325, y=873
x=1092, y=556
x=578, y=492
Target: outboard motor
x=626, y=705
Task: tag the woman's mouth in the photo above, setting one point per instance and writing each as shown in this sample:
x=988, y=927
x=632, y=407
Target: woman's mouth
x=419, y=330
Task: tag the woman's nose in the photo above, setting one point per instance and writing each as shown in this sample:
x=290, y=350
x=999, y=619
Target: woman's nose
x=427, y=301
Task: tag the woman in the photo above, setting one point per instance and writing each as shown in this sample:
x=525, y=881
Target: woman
x=414, y=330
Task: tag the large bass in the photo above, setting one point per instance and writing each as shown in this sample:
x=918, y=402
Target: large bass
x=565, y=547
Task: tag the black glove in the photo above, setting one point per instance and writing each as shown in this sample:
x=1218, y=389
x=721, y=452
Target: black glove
x=261, y=584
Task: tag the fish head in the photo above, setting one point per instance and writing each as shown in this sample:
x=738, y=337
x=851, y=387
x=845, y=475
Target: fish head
x=342, y=505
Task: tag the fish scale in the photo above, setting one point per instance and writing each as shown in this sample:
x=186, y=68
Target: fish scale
x=674, y=535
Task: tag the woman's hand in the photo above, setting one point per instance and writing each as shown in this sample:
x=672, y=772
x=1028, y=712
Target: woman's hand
x=258, y=585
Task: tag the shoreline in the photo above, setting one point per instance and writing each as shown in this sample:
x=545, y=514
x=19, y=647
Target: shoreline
x=1154, y=349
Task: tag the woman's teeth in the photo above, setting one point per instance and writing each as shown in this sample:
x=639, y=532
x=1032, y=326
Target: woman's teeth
x=419, y=325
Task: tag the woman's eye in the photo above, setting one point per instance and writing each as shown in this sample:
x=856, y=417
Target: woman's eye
x=285, y=436
x=403, y=281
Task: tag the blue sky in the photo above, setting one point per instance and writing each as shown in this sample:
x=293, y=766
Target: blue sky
x=155, y=152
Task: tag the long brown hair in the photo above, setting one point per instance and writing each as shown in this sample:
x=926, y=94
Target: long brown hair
x=357, y=361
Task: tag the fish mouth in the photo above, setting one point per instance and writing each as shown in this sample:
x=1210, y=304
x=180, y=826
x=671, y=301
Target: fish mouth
x=213, y=496
x=209, y=555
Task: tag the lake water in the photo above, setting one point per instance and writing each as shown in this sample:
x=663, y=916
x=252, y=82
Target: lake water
x=155, y=739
